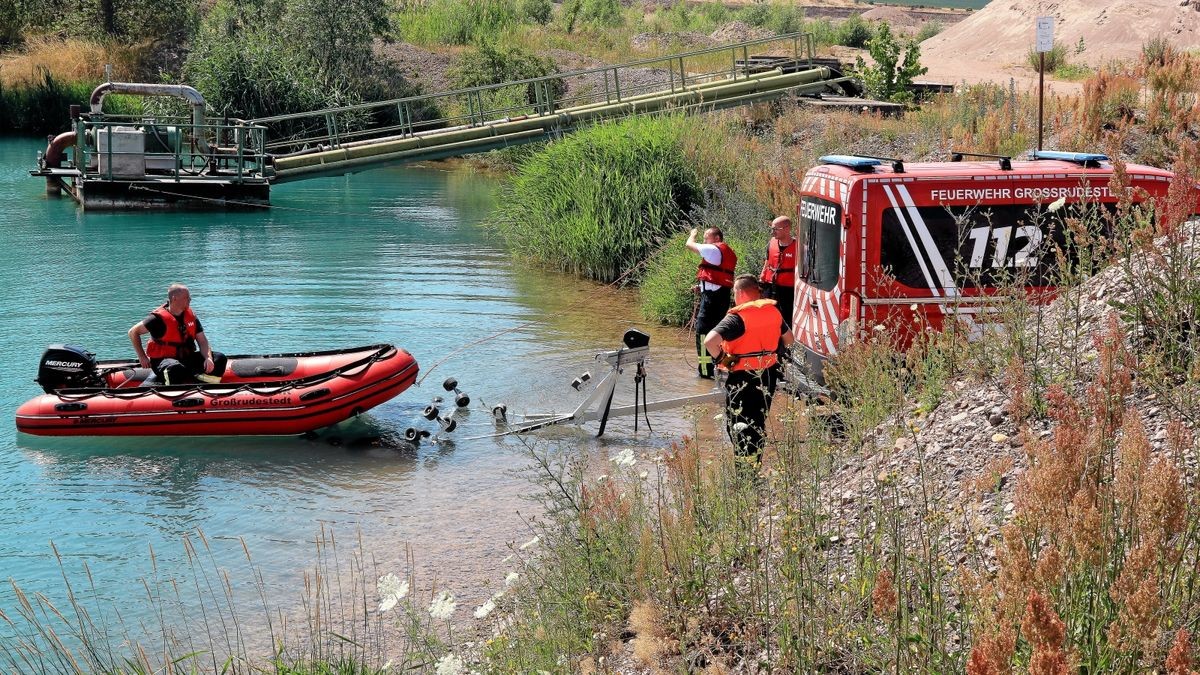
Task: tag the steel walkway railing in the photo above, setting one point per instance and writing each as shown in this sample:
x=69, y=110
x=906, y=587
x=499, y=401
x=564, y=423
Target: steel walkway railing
x=480, y=118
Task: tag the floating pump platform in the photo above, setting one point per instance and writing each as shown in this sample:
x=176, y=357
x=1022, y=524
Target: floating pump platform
x=117, y=162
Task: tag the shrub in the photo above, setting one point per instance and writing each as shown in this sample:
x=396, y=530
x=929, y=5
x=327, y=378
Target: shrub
x=562, y=208
x=1072, y=71
x=1157, y=52
x=890, y=79
x=1055, y=58
x=823, y=31
x=1109, y=100
x=785, y=18
x=488, y=64
x=854, y=32
x=929, y=30
x=537, y=11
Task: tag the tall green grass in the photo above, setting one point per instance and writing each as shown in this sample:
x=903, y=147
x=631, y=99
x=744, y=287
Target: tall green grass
x=455, y=22
x=43, y=107
x=599, y=201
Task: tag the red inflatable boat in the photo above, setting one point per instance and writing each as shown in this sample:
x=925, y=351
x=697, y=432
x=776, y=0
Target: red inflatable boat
x=276, y=394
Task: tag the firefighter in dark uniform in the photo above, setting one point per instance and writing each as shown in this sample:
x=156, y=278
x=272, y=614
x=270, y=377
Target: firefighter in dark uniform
x=746, y=343
x=178, y=350
x=778, y=275
x=715, y=283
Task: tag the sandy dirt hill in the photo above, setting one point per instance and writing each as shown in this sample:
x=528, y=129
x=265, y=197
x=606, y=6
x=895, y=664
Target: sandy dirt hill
x=993, y=42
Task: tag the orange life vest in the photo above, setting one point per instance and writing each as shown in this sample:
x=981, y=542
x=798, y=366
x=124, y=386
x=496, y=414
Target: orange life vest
x=721, y=275
x=780, y=265
x=756, y=348
x=174, y=343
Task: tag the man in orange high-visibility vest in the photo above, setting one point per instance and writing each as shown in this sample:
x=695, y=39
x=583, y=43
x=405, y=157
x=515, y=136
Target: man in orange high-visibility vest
x=746, y=343
x=178, y=350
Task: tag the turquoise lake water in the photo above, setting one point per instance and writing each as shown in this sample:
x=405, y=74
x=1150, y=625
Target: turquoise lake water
x=392, y=255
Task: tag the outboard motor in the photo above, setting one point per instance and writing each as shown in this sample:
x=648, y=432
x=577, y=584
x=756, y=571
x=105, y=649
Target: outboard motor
x=67, y=367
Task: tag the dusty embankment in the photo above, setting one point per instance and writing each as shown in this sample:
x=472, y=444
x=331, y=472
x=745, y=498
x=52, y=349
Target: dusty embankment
x=992, y=44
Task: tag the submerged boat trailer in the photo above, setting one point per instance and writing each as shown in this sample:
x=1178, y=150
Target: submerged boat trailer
x=597, y=406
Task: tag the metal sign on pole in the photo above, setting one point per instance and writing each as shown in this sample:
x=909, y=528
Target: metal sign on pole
x=1045, y=43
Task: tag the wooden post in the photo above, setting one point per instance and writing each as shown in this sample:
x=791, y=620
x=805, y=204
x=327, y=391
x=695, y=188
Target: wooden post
x=1041, y=93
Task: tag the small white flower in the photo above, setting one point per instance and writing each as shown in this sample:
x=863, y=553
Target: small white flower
x=878, y=327
x=913, y=307
x=644, y=475
x=740, y=427
x=531, y=542
x=450, y=665
x=486, y=608
x=511, y=579
x=601, y=478
x=625, y=458
x=391, y=590
x=1056, y=204
x=442, y=607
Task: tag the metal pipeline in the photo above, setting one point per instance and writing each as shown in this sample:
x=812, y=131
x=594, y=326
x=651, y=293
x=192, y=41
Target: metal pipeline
x=56, y=150
x=193, y=97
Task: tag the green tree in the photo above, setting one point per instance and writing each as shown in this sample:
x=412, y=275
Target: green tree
x=256, y=58
x=335, y=37
x=890, y=79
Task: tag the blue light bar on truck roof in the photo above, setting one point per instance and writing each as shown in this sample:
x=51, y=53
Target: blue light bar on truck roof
x=851, y=161
x=1084, y=158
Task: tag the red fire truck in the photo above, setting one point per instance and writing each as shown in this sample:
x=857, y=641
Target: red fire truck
x=918, y=244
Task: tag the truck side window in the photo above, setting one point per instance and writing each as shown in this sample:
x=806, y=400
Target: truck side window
x=821, y=223
x=978, y=245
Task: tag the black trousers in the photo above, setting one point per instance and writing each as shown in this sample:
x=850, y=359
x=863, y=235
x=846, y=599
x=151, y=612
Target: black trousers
x=785, y=300
x=747, y=400
x=185, y=369
x=713, y=307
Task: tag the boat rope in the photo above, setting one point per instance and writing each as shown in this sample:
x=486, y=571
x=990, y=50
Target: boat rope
x=612, y=284
x=234, y=202
x=224, y=390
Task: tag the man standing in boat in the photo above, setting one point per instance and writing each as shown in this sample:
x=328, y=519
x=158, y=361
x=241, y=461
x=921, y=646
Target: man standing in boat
x=717, y=263
x=178, y=350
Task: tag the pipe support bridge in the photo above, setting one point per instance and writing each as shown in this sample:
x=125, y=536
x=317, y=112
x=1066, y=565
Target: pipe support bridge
x=141, y=162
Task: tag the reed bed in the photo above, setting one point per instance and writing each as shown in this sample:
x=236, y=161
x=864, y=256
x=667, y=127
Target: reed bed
x=599, y=201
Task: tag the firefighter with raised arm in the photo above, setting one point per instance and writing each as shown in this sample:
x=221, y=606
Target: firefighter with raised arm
x=746, y=343
x=778, y=275
x=715, y=277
